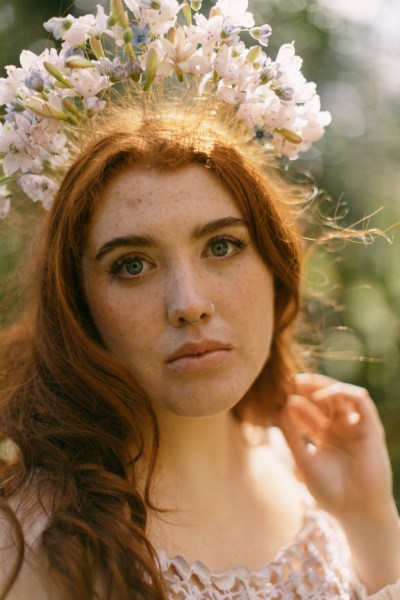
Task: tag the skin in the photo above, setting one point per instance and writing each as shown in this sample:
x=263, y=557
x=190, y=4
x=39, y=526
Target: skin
x=144, y=319
x=147, y=301
x=223, y=491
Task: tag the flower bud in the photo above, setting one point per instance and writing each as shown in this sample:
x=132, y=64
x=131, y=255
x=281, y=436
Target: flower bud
x=127, y=35
x=133, y=69
x=79, y=62
x=285, y=94
x=118, y=13
x=70, y=107
x=290, y=136
x=44, y=109
x=171, y=35
x=261, y=34
x=117, y=73
x=188, y=14
x=153, y=4
x=254, y=54
x=52, y=69
x=267, y=75
x=97, y=47
x=151, y=68
x=195, y=5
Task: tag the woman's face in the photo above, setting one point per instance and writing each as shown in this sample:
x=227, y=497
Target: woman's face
x=177, y=288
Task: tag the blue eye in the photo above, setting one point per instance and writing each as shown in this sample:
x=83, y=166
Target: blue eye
x=134, y=266
x=130, y=267
x=220, y=247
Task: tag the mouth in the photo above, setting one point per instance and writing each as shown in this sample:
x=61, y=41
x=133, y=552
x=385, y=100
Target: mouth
x=194, y=358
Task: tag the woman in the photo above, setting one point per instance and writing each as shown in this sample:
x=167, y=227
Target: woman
x=155, y=348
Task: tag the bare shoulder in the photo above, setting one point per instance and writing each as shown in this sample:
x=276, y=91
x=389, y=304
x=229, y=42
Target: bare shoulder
x=21, y=526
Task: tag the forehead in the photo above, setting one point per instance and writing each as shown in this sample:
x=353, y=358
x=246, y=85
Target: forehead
x=145, y=198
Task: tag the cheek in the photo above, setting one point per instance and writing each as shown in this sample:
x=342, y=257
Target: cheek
x=253, y=298
x=120, y=320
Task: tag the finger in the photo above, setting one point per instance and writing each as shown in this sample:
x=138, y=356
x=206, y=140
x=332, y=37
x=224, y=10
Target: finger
x=345, y=398
x=307, y=383
x=329, y=394
x=309, y=418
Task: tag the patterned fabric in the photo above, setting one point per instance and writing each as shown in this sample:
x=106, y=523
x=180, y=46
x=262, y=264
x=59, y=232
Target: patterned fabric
x=315, y=566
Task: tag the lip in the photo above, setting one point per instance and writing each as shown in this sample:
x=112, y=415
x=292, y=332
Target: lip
x=194, y=357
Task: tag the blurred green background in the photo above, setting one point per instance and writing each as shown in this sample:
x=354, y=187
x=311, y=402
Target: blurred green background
x=351, y=48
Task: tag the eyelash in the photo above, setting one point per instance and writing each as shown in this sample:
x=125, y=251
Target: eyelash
x=240, y=244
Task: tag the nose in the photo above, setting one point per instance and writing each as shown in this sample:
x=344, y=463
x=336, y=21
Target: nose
x=186, y=303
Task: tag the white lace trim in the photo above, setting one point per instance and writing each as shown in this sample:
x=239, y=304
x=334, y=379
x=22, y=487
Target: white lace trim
x=315, y=566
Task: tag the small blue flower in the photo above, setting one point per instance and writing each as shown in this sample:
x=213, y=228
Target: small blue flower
x=34, y=81
x=74, y=52
x=141, y=35
x=261, y=134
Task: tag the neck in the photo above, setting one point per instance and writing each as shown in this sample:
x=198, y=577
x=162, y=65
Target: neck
x=199, y=459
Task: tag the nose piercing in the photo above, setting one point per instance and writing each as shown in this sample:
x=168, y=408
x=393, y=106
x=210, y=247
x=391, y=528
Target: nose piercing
x=209, y=312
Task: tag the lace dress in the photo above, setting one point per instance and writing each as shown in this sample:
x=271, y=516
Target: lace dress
x=315, y=566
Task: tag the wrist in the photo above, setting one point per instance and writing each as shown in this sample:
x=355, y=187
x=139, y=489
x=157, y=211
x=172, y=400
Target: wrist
x=374, y=542
x=381, y=517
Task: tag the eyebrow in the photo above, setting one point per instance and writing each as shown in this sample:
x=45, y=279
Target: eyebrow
x=149, y=242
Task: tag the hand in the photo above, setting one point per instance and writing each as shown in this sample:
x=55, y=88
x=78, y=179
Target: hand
x=338, y=442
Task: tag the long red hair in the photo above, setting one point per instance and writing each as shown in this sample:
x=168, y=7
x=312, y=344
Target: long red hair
x=68, y=406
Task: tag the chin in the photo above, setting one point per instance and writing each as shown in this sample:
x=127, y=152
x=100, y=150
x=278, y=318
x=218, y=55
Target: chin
x=202, y=397
x=202, y=405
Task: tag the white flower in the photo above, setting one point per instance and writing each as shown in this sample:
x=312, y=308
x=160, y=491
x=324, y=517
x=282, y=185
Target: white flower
x=206, y=32
x=235, y=11
x=160, y=19
x=313, y=121
x=94, y=105
x=15, y=144
x=49, y=135
x=179, y=55
x=251, y=113
x=7, y=91
x=75, y=31
x=10, y=86
x=88, y=82
x=227, y=66
x=39, y=188
x=101, y=21
x=289, y=67
x=273, y=99
x=32, y=63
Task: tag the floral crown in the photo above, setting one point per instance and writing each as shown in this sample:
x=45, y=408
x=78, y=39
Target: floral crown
x=144, y=42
